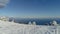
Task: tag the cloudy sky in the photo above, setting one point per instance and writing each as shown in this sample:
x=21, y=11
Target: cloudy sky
x=31, y=8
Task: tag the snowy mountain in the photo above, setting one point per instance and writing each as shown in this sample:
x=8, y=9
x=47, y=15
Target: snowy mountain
x=15, y=28
x=7, y=27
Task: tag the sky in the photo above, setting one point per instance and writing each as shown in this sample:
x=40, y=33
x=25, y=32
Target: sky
x=31, y=8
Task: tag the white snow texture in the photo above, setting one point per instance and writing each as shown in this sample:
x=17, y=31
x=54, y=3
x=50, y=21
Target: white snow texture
x=15, y=28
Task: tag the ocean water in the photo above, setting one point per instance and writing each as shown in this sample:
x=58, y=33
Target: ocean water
x=39, y=21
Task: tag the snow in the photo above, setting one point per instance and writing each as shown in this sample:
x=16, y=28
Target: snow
x=15, y=28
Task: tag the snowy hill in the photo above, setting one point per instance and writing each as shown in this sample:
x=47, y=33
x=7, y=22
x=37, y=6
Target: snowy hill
x=15, y=28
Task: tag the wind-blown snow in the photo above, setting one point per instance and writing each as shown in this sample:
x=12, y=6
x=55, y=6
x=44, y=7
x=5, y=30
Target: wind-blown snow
x=15, y=28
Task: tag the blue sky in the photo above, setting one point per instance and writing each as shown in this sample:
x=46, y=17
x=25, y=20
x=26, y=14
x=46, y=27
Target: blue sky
x=31, y=8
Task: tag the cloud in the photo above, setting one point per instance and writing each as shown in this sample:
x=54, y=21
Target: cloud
x=3, y=3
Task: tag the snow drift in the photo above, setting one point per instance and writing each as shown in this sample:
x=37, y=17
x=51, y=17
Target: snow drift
x=15, y=28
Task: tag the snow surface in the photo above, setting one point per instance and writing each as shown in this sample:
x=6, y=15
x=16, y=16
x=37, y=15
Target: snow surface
x=15, y=28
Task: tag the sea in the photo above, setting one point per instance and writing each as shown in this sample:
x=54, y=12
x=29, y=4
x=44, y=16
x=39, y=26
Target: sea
x=39, y=21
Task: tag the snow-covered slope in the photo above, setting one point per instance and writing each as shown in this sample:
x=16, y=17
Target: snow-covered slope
x=15, y=28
